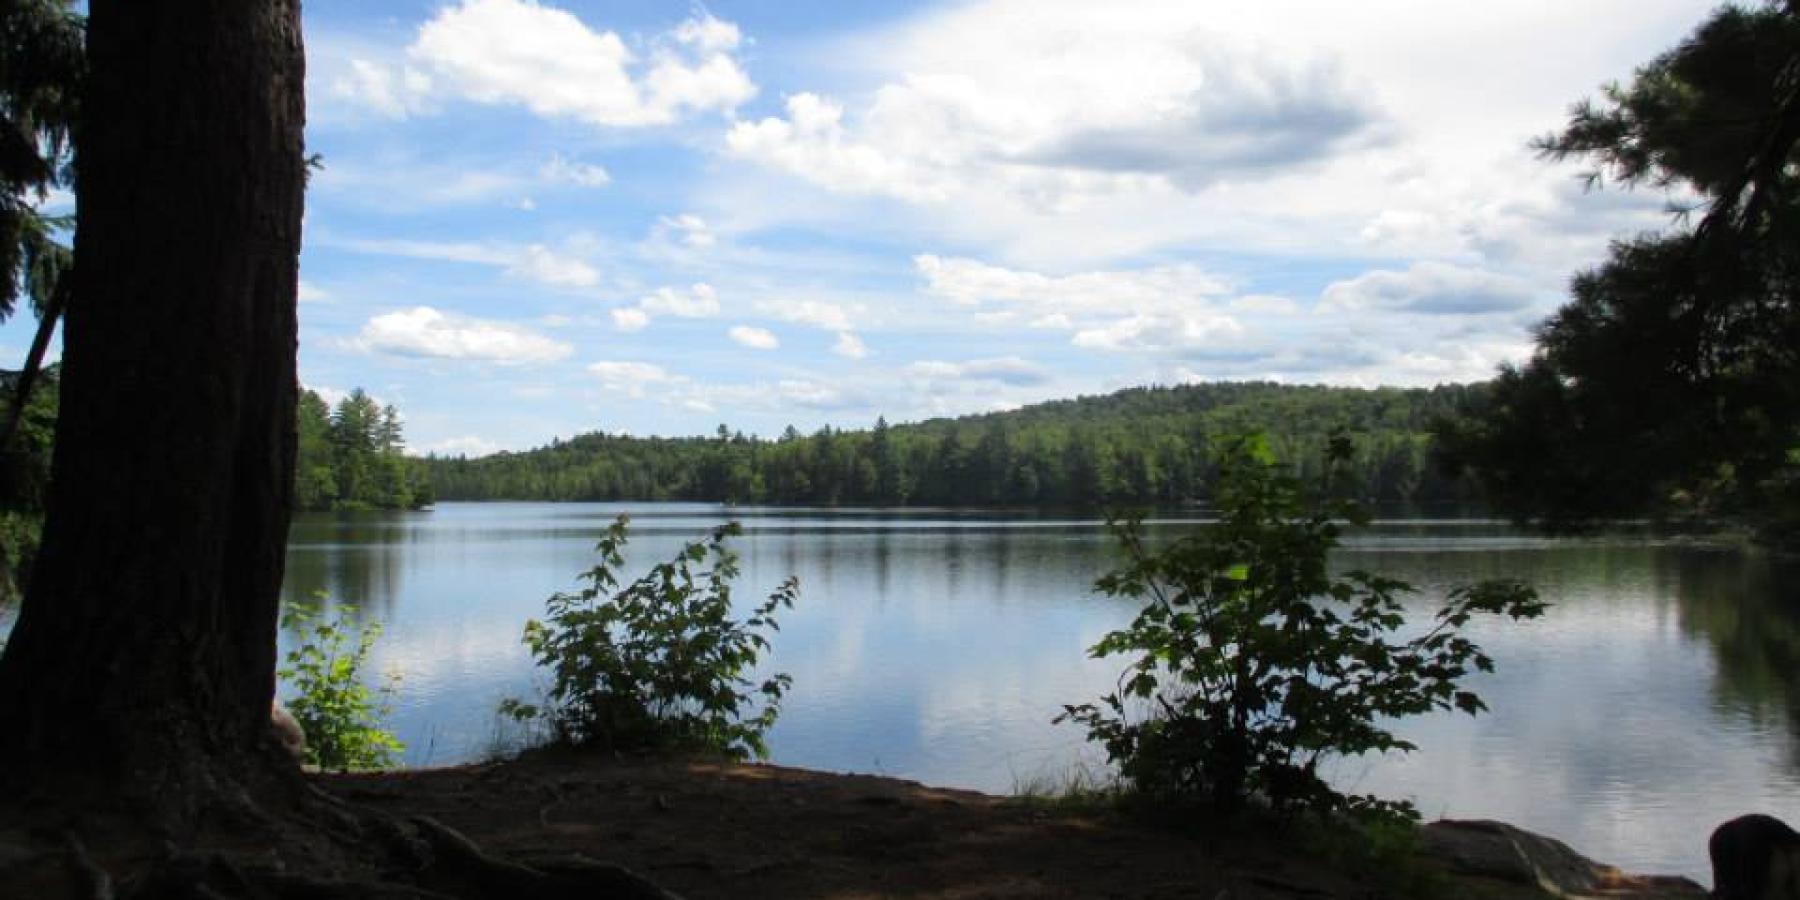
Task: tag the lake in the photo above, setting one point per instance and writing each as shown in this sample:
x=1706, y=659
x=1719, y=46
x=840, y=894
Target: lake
x=1655, y=700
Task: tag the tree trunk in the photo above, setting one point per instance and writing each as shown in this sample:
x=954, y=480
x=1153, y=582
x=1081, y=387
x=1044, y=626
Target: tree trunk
x=142, y=664
x=134, y=694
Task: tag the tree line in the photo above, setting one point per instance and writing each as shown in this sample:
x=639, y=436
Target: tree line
x=1149, y=445
x=353, y=456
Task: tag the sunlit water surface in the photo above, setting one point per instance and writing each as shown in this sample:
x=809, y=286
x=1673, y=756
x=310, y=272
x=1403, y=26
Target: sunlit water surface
x=1655, y=700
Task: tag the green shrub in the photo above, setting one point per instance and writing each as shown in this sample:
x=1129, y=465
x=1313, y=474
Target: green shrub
x=19, y=535
x=340, y=715
x=658, y=664
x=1251, y=663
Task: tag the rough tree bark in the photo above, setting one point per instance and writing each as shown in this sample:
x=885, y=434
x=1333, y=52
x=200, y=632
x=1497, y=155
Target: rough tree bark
x=136, y=757
x=142, y=663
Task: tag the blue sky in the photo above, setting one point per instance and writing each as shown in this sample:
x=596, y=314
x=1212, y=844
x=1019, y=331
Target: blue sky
x=543, y=218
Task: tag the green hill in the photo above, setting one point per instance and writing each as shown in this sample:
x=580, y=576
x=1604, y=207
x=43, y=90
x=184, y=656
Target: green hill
x=1141, y=445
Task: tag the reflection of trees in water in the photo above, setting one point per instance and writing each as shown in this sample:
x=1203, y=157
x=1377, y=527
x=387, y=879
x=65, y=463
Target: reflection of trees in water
x=1748, y=611
x=350, y=558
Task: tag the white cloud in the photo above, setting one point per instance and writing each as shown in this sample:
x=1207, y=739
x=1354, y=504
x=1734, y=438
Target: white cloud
x=811, y=394
x=630, y=319
x=632, y=378
x=424, y=331
x=697, y=302
x=466, y=445
x=709, y=34
x=971, y=282
x=641, y=380
x=1170, y=331
x=1052, y=101
x=850, y=346
x=686, y=228
x=539, y=263
x=1176, y=307
x=816, y=313
x=812, y=143
x=564, y=171
x=1063, y=132
x=754, y=338
x=1432, y=288
x=535, y=261
x=1265, y=303
x=1005, y=370
x=521, y=52
x=331, y=395
x=312, y=293
x=395, y=92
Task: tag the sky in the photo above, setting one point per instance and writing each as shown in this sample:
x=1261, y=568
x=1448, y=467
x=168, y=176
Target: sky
x=538, y=219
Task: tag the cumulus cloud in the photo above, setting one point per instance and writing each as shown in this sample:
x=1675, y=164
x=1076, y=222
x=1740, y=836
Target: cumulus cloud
x=1005, y=370
x=630, y=318
x=392, y=91
x=686, y=229
x=1432, y=288
x=632, y=378
x=1062, y=132
x=427, y=332
x=520, y=52
x=803, y=311
x=565, y=171
x=641, y=380
x=850, y=346
x=1164, y=331
x=1177, y=307
x=1052, y=100
x=312, y=293
x=539, y=263
x=534, y=261
x=466, y=445
x=697, y=302
x=754, y=338
x=970, y=282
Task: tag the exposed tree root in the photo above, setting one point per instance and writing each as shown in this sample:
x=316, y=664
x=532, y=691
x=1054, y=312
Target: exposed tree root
x=332, y=852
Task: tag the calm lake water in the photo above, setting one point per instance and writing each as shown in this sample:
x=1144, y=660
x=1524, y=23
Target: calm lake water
x=1655, y=700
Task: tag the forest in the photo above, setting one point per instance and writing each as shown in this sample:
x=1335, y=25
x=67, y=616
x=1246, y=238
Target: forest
x=353, y=456
x=1146, y=445
x=349, y=457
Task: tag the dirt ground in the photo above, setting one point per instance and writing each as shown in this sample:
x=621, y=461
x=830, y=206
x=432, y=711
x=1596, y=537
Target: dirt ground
x=719, y=830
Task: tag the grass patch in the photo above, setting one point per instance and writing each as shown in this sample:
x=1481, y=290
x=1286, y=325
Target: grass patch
x=1078, y=787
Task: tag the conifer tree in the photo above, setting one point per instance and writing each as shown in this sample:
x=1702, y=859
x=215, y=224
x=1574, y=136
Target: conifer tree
x=1670, y=383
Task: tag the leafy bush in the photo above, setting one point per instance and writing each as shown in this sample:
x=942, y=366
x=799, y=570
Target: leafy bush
x=1253, y=663
x=660, y=663
x=339, y=714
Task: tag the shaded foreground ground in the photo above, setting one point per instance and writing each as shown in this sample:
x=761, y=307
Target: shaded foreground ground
x=716, y=830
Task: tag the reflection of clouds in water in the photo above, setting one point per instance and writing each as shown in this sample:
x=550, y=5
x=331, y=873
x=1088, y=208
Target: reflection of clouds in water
x=1601, y=732
x=1648, y=706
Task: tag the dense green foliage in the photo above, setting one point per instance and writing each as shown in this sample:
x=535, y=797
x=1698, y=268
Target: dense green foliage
x=1143, y=445
x=1670, y=384
x=658, y=664
x=351, y=457
x=1250, y=663
x=354, y=457
x=339, y=714
x=42, y=61
x=24, y=477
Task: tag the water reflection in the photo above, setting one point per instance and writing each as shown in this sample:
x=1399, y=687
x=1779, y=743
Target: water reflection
x=1655, y=700
x=1748, y=611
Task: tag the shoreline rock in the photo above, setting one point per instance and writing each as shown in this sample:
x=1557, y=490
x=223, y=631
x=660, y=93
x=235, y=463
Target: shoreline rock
x=1509, y=856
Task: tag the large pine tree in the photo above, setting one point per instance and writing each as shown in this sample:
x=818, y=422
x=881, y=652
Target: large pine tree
x=142, y=663
x=136, y=756
x=1670, y=383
